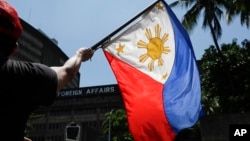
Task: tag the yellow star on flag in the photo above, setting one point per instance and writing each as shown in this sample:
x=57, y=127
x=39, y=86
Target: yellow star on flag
x=120, y=49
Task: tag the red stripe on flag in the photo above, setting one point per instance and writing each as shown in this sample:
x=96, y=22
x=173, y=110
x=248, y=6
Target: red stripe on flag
x=143, y=101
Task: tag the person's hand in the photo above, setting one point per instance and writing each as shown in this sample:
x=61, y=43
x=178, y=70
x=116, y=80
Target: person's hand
x=85, y=53
x=26, y=139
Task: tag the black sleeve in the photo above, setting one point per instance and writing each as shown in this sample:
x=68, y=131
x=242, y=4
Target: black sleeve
x=37, y=83
x=45, y=84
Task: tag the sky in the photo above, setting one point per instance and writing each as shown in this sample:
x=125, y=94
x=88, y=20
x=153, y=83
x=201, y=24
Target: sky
x=83, y=23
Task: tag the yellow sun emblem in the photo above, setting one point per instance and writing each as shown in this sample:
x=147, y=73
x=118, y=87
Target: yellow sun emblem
x=155, y=47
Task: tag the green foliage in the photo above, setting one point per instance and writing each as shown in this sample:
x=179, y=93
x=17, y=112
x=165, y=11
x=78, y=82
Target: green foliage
x=218, y=96
x=210, y=10
x=238, y=7
x=29, y=126
x=116, y=123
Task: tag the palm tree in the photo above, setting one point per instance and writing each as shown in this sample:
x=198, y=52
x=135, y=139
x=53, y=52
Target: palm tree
x=238, y=7
x=212, y=11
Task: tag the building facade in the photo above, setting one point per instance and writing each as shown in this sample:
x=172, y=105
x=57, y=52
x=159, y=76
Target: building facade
x=85, y=107
x=36, y=46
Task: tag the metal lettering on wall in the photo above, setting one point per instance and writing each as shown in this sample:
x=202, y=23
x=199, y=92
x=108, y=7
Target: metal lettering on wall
x=107, y=89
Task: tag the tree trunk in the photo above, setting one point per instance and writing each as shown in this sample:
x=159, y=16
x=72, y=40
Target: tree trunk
x=227, y=67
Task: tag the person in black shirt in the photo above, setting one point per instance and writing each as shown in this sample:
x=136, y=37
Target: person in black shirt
x=24, y=86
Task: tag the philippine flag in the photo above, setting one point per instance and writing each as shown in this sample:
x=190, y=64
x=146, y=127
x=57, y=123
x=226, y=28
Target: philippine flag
x=155, y=67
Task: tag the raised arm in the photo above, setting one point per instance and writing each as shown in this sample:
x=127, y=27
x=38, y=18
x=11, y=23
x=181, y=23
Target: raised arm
x=70, y=68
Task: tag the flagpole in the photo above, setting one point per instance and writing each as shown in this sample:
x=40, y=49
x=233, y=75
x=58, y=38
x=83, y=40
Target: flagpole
x=107, y=38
